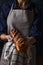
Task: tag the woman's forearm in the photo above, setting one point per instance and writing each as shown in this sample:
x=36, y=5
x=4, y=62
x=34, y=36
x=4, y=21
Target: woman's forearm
x=3, y=37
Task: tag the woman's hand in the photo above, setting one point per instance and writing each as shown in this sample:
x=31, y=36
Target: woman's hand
x=31, y=40
x=5, y=37
x=9, y=38
x=12, y=32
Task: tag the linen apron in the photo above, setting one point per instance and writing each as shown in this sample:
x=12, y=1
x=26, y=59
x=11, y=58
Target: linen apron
x=22, y=19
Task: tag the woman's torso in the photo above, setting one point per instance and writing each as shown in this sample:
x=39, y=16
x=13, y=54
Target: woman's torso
x=21, y=19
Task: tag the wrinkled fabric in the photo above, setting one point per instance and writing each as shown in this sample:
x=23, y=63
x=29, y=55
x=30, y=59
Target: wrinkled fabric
x=21, y=19
x=11, y=56
x=34, y=31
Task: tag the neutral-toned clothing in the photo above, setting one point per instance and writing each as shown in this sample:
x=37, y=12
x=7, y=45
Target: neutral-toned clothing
x=22, y=19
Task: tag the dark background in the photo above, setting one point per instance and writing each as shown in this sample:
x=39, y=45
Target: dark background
x=39, y=4
x=3, y=1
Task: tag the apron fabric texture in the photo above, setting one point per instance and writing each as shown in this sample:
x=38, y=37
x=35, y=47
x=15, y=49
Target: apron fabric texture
x=22, y=19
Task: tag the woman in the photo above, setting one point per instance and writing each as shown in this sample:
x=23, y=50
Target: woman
x=21, y=15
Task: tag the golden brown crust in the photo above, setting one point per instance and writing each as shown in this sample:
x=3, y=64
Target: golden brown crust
x=19, y=41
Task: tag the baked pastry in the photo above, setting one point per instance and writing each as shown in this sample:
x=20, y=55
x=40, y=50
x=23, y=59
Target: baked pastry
x=19, y=41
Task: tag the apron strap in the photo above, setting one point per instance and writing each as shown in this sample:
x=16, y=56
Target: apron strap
x=8, y=23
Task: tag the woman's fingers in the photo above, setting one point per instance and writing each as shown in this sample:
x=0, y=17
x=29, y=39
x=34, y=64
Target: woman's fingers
x=12, y=34
x=9, y=38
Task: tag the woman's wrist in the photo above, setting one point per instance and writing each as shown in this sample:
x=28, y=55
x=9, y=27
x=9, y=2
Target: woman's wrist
x=3, y=37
